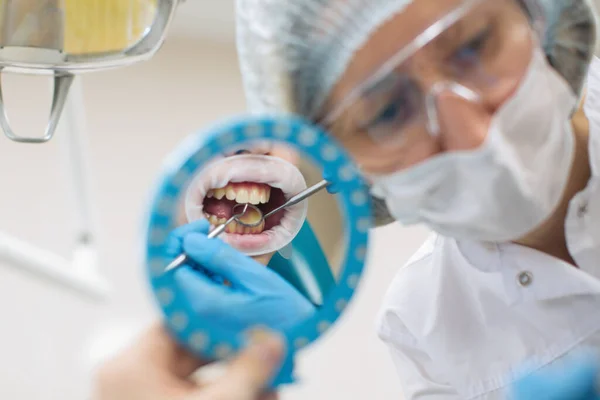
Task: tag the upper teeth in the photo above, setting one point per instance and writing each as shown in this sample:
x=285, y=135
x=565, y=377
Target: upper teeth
x=243, y=193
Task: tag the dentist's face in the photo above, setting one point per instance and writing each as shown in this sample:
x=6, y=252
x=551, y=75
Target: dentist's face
x=383, y=119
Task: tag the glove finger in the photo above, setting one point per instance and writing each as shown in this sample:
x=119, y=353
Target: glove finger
x=222, y=259
x=198, y=226
x=333, y=187
x=174, y=243
x=206, y=297
x=575, y=381
x=578, y=381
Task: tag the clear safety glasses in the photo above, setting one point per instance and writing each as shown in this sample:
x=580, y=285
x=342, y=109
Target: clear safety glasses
x=66, y=37
x=472, y=51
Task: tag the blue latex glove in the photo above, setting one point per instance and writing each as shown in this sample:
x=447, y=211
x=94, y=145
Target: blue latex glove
x=576, y=380
x=256, y=296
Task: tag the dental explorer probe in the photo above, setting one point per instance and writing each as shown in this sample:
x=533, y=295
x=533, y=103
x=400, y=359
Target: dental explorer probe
x=303, y=195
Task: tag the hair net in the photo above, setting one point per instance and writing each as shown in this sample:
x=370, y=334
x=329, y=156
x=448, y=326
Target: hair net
x=292, y=53
x=570, y=38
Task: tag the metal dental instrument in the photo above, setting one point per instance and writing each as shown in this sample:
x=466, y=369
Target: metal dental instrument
x=291, y=202
x=179, y=261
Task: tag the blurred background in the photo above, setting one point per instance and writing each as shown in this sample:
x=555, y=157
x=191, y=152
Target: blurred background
x=52, y=338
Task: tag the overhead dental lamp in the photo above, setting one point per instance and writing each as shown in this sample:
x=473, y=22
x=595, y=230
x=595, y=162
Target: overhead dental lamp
x=67, y=37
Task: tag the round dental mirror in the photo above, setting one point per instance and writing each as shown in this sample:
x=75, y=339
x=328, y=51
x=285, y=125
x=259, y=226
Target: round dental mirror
x=294, y=208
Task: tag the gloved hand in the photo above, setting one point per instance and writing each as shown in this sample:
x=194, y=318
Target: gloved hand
x=256, y=295
x=574, y=381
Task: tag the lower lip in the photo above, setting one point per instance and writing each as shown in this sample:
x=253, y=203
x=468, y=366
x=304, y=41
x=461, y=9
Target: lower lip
x=247, y=242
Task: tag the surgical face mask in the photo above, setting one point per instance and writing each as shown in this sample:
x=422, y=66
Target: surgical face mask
x=262, y=180
x=507, y=187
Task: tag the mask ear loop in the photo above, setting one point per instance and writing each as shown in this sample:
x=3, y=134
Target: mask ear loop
x=433, y=124
x=62, y=84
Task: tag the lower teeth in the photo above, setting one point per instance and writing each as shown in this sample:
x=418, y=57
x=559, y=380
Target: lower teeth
x=234, y=227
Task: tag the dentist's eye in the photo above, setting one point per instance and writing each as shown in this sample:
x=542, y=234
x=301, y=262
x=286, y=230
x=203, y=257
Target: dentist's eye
x=397, y=111
x=469, y=53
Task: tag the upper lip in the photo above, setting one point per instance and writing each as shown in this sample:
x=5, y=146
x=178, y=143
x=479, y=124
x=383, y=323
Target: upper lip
x=257, y=169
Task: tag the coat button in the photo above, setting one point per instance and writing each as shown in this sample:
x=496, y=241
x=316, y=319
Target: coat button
x=525, y=278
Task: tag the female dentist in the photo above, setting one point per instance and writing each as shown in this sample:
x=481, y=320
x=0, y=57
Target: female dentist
x=468, y=116
x=478, y=118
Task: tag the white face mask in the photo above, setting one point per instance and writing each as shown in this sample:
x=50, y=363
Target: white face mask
x=507, y=187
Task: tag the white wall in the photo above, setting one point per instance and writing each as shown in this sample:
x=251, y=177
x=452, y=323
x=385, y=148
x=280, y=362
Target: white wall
x=136, y=116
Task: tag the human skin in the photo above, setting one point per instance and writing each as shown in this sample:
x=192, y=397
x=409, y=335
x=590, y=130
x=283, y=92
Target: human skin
x=155, y=367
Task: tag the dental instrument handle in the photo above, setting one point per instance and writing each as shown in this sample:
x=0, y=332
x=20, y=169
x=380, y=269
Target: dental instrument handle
x=221, y=228
x=182, y=258
x=300, y=197
x=176, y=263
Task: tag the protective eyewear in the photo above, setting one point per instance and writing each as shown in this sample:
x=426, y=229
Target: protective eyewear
x=475, y=52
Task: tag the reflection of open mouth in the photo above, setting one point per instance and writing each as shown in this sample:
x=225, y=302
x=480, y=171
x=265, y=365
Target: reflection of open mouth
x=263, y=181
x=219, y=203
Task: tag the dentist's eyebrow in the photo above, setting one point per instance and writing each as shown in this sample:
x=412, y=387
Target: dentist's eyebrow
x=381, y=84
x=450, y=37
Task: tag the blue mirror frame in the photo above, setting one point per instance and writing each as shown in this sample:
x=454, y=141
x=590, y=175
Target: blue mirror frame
x=213, y=342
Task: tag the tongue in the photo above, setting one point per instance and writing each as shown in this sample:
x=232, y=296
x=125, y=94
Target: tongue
x=219, y=208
